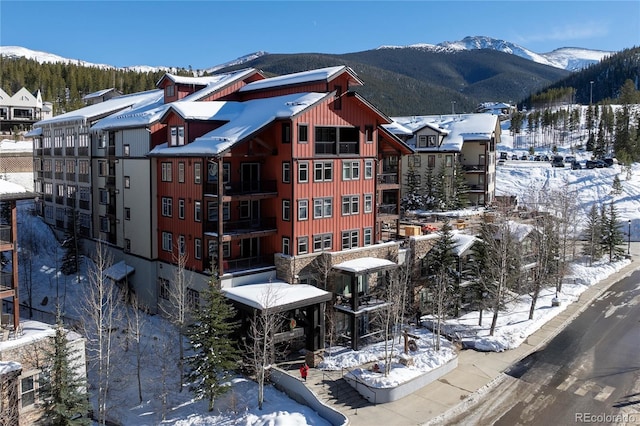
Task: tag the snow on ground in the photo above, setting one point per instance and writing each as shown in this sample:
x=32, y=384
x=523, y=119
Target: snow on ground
x=239, y=407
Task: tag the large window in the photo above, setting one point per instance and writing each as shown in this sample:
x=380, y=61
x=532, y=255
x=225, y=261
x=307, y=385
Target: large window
x=350, y=170
x=322, y=207
x=337, y=140
x=177, y=136
x=426, y=141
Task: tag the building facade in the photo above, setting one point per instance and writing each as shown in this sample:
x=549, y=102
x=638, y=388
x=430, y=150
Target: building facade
x=22, y=110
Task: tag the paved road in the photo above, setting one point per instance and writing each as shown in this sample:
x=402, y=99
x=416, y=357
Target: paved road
x=589, y=373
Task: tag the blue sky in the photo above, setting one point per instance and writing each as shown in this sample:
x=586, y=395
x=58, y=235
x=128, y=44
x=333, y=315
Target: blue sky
x=203, y=33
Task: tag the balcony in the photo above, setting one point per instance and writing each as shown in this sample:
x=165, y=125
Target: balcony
x=474, y=168
x=83, y=151
x=267, y=188
x=244, y=263
x=475, y=188
x=59, y=200
x=5, y=281
x=246, y=227
x=388, y=179
x=69, y=151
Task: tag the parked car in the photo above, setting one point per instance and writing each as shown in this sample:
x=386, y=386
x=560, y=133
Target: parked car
x=569, y=159
x=537, y=158
x=503, y=155
x=501, y=162
x=609, y=162
x=595, y=164
x=557, y=161
x=546, y=158
x=514, y=156
x=524, y=157
x=575, y=165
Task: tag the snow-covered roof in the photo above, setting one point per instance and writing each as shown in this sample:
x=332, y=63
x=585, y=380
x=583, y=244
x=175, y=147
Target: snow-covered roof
x=206, y=80
x=243, y=120
x=9, y=366
x=364, y=264
x=13, y=191
x=276, y=295
x=218, y=81
x=463, y=242
x=107, y=107
x=140, y=116
x=321, y=74
x=97, y=94
x=457, y=128
x=36, y=131
x=119, y=271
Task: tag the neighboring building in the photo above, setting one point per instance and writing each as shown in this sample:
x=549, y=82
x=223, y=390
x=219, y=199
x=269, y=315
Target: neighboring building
x=22, y=343
x=22, y=110
x=441, y=141
x=101, y=96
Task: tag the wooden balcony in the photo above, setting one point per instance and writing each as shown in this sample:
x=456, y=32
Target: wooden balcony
x=244, y=228
x=244, y=189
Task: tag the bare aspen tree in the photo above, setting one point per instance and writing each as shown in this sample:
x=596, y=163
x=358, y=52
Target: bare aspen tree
x=263, y=327
x=395, y=295
x=322, y=267
x=177, y=309
x=545, y=245
x=101, y=305
x=136, y=320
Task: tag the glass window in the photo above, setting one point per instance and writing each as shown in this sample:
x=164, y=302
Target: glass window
x=167, y=241
x=167, y=206
x=197, y=211
x=322, y=207
x=303, y=209
x=350, y=170
x=181, y=172
x=323, y=171
x=303, y=245
x=286, y=132
x=181, y=208
x=197, y=173
x=368, y=236
x=368, y=203
x=303, y=133
x=197, y=248
x=286, y=172
x=303, y=172
x=286, y=209
x=285, y=245
x=166, y=172
x=368, y=169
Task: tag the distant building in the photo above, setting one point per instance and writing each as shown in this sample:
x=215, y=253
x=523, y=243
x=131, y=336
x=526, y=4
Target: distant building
x=22, y=110
x=101, y=96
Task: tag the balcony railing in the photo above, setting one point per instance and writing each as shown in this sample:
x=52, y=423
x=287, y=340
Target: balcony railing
x=243, y=187
x=246, y=226
x=83, y=151
x=5, y=280
x=388, y=209
x=69, y=151
x=473, y=167
x=388, y=178
x=244, y=263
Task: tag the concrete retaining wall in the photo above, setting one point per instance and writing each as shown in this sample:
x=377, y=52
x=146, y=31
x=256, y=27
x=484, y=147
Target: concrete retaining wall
x=300, y=393
x=383, y=395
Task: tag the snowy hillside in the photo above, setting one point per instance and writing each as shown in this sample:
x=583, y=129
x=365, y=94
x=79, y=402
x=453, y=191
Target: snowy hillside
x=569, y=58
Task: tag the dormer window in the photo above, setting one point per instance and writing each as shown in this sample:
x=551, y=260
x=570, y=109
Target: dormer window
x=177, y=136
x=426, y=141
x=170, y=91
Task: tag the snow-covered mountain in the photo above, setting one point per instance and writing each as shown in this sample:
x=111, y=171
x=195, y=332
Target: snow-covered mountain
x=568, y=58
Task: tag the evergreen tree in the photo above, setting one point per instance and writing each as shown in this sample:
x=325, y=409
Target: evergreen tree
x=65, y=392
x=593, y=234
x=617, y=186
x=412, y=199
x=214, y=354
x=71, y=246
x=460, y=188
x=599, y=150
x=440, y=194
x=429, y=195
x=612, y=237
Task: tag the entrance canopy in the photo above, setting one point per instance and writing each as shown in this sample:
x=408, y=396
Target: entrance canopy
x=119, y=271
x=279, y=296
x=365, y=265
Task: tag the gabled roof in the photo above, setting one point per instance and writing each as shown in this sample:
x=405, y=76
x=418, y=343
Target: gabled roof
x=456, y=128
x=98, y=93
x=243, y=120
x=222, y=81
x=278, y=296
x=321, y=74
x=107, y=107
x=209, y=80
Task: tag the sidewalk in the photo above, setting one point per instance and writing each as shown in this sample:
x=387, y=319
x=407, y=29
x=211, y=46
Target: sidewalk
x=477, y=373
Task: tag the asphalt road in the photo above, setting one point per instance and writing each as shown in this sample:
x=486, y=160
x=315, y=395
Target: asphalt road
x=589, y=373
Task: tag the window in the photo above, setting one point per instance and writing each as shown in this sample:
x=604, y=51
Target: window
x=181, y=245
x=127, y=245
x=83, y=167
x=286, y=207
x=127, y=213
x=212, y=211
x=303, y=209
x=303, y=172
x=70, y=166
x=350, y=205
x=126, y=150
x=104, y=196
x=197, y=176
x=245, y=209
x=426, y=141
x=322, y=242
x=326, y=138
x=350, y=170
x=303, y=245
x=368, y=236
x=337, y=104
x=349, y=239
x=285, y=245
x=105, y=226
x=181, y=208
x=286, y=172
x=102, y=140
x=102, y=168
x=167, y=206
x=323, y=171
x=368, y=133
x=197, y=211
x=286, y=132
x=193, y=299
x=368, y=169
x=448, y=160
x=303, y=133
x=197, y=248
x=177, y=136
x=322, y=207
x=28, y=391
x=165, y=288
x=414, y=160
x=170, y=90
x=167, y=241
x=431, y=161
x=181, y=172
x=166, y=172
x=127, y=182
x=368, y=203
x=226, y=249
